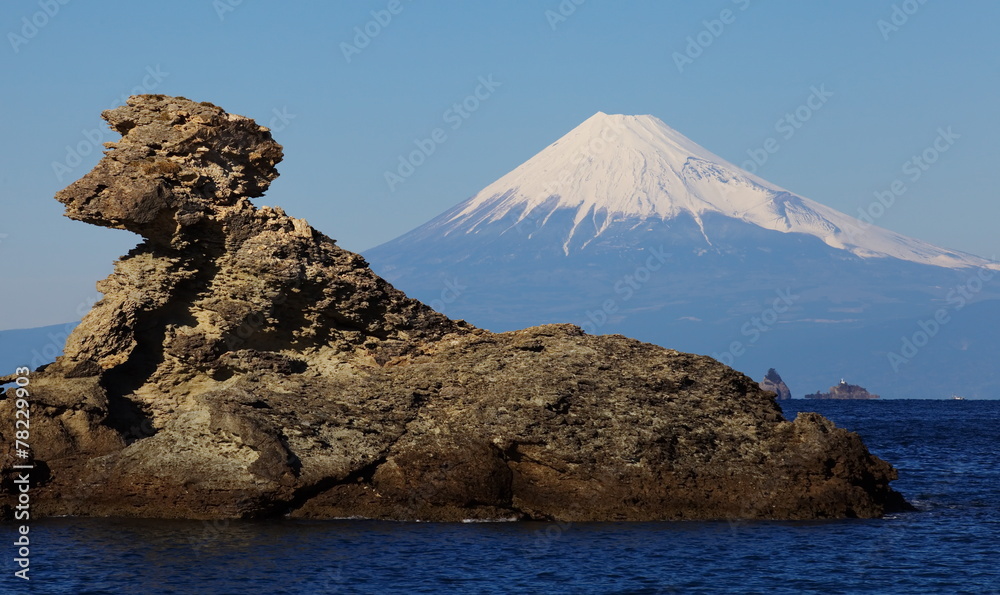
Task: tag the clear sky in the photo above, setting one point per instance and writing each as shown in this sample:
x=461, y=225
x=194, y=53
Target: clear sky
x=347, y=105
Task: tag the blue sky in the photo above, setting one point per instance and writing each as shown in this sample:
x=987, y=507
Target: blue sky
x=346, y=113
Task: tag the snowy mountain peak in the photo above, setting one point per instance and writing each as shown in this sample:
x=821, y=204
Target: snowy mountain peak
x=642, y=133
x=627, y=166
x=615, y=167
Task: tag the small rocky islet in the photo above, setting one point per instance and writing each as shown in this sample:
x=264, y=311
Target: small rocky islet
x=772, y=382
x=242, y=365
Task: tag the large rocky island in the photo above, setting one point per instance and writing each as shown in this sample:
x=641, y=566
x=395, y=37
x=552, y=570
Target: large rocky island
x=844, y=391
x=242, y=365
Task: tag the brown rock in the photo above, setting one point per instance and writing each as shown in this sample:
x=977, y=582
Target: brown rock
x=772, y=382
x=243, y=365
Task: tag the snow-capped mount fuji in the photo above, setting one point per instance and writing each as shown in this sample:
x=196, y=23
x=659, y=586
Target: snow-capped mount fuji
x=625, y=225
x=614, y=168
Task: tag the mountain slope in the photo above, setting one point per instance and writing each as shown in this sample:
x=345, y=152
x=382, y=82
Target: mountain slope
x=626, y=226
x=618, y=168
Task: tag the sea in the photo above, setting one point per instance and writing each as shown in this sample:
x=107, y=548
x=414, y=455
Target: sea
x=945, y=451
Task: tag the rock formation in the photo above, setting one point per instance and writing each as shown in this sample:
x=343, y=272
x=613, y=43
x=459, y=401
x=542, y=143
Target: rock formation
x=844, y=391
x=773, y=382
x=242, y=365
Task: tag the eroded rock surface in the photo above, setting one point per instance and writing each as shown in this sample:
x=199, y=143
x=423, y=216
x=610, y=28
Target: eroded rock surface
x=241, y=364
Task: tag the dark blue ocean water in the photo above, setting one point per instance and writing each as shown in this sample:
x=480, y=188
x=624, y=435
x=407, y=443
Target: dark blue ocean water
x=946, y=453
